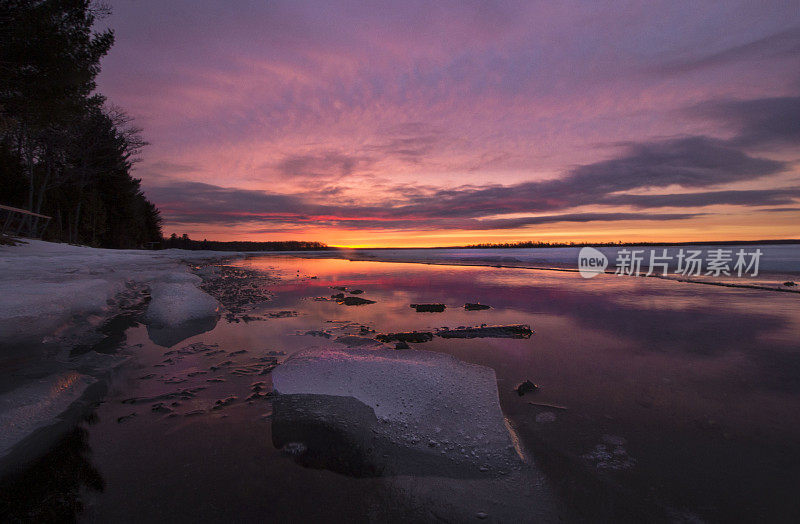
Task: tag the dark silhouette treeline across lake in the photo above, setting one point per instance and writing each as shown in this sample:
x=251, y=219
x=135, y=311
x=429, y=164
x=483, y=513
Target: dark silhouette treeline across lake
x=65, y=151
x=532, y=244
x=184, y=242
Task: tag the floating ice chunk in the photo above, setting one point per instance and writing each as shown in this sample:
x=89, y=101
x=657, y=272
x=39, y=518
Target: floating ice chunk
x=174, y=303
x=426, y=403
x=179, y=310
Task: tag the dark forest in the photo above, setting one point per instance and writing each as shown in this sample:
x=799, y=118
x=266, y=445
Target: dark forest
x=66, y=151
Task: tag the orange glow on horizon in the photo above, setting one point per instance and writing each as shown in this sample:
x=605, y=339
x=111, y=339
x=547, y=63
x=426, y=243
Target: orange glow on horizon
x=759, y=226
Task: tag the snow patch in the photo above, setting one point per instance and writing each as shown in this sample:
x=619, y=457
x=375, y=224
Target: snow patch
x=48, y=288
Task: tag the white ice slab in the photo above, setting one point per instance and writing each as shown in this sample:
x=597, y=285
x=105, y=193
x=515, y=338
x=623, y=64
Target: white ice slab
x=427, y=400
x=173, y=304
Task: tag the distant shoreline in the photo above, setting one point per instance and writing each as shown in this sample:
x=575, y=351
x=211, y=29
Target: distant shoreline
x=544, y=245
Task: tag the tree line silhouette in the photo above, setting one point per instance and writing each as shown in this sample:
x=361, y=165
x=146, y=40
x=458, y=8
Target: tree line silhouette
x=65, y=151
x=184, y=242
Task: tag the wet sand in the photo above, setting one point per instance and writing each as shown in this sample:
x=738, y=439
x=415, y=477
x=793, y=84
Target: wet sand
x=657, y=399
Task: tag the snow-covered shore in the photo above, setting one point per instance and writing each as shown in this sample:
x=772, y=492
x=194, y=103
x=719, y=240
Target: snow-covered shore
x=58, y=295
x=47, y=289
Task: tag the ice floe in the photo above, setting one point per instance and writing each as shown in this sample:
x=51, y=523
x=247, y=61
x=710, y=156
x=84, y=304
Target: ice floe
x=418, y=407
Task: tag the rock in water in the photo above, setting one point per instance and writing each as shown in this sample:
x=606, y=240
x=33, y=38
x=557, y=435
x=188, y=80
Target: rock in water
x=526, y=387
x=476, y=306
x=402, y=411
x=429, y=308
x=511, y=331
x=355, y=301
x=414, y=336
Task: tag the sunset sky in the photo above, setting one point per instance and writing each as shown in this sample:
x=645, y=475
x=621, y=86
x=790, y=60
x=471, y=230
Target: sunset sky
x=435, y=123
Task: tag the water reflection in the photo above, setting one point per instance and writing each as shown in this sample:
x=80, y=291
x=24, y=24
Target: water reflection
x=52, y=488
x=696, y=384
x=701, y=381
x=171, y=335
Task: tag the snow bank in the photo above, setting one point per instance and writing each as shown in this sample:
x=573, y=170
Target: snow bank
x=47, y=288
x=424, y=402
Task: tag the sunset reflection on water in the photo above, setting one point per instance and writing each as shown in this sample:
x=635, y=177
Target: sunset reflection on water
x=698, y=380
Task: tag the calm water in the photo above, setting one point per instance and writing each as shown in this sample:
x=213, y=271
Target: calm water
x=672, y=400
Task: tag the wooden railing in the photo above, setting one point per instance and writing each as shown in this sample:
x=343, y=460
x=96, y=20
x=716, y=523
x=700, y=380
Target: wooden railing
x=15, y=222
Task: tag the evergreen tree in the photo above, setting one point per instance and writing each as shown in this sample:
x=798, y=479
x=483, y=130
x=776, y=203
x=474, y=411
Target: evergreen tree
x=56, y=133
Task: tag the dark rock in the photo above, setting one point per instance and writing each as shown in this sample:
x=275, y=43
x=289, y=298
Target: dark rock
x=283, y=314
x=429, y=308
x=318, y=333
x=356, y=291
x=789, y=283
x=510, y=331
x=219, y=404
x=476, y=306
x=402, y=345
x=353, y=341
x=355, y=301
x=526, y=387
x=413, y=336
x=338, y=296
